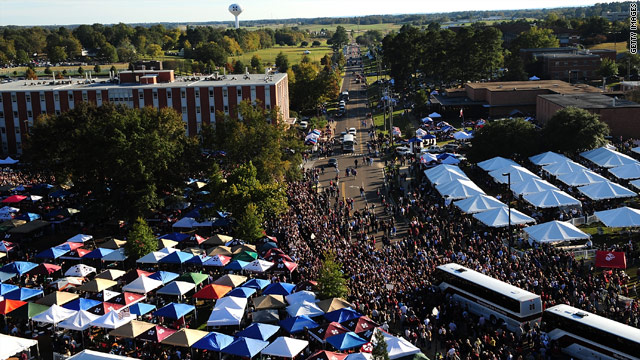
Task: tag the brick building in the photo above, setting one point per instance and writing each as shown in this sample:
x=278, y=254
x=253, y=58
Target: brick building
x=503, y=99
x=197, y=99
x=565, y=63
x=622, y=116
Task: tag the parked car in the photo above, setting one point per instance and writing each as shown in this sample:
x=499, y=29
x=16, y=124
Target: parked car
x=333, y=162
x=403, y=150
x=451, y=147
x=434, y=149
x=353, y=131
x=303, y=125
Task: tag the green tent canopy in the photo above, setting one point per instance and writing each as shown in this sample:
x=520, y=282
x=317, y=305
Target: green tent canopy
x=247, y=256
x=28, y=311
x=195, y=278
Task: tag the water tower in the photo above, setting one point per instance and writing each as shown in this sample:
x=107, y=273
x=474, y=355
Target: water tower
x=236, y=10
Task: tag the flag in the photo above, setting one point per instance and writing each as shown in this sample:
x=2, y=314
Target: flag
x=367, y=348
x=461, y=113
x=611, y=259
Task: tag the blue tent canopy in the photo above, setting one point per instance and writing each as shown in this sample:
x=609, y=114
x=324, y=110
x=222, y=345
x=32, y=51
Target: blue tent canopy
x=415, y=140
x=257, y=284
x=41, y=186
x=28, y=216
x=177, y=257
x=346, y=341
x=429, y=136
x=283, y=289
x=221, y=222
x=195, y=213
x=22, y=294
x=59, y=194
x=174, y=310
x=175, y=236
x=245, y=347
x=259, y=331
x=81, y=304
x=6, y=288
x=296, y=324
x=98, y=253
x=242, y=292
x=6, y=276
x=236, y=265
x=52, y=253
x=18, y=267
x=141, y=308
x=342, y=315
x=198, y=259
x=213, y=341
x=164, y=276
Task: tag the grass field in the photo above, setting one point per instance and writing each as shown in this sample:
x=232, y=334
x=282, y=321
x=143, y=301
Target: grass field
x=384, y=27
x=619, y=46
x=71, y=70
x=294, y=53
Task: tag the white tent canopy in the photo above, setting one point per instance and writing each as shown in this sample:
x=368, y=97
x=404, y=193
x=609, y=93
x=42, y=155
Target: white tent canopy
x=177, y=288
x=444, y=173
x=581, y=178
x=518, y=174
x=496, y=163
x=142, y=285
x=80, y=321
x=112, y=320
x=54, y=315
x=551, y=198
x=190, y=223
x=607, y=158
x=555, y=231
x=12, y=345
x=285, y=347
x=95, y=355
x=547, y=158
x=300, y=296
x=398, y=347
x=500, y=217
x=461, y=135
x=620, y=217
x=225, y=317
x=606, y=190
x=152, y=257
x=80, y=238
x=636, y=149
x=259, y=265
x=563, y=167
x=532, y=186
x=304, y=308
x=478, y=203
x=635, y=183
x=232, y=302
x=459, y=189
x=80, y=270
x=629, y=171
x=116, y=255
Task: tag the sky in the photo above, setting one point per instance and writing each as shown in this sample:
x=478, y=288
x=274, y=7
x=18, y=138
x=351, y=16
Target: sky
x=65, y=12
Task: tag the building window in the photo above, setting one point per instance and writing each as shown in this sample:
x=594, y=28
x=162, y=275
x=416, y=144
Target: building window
x=239, y=92
x=155, y=95
x=15, y=114
x=4, y=131
x=1, y=114
x=197, y=109
x=56, y=97
x=99, y=96
x=17, y=130
x=141, y=95
x=169, y=94
x=183, y=94
x=70, y=97
x=197, y=93
x=224, y=93
x=84, y=96
x=268, y=106
x=28, y=97
x=212, y=109
x=29, y=113
x=42, y=97
x=57, y=112
x=226, y=109
x=13, y=98
x=210, y=93
x=184, y=109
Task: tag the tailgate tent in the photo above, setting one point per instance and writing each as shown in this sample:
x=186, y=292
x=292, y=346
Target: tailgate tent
x=245, y=347
x=213, y=341
x=54, y=315
x=478, y=203
x=555, y=231
x=620, y=217
x=532, y=186
x=80, y=321
x=142, y=285
x=547, y=158
x=285, y=347
x=496, y=163
x=581, y=178
x=500, y=217
x=551, y=199
x=518, y=174
x=459, y=189
x=629, y=171
x=608, y=158
x=11, y=345
x=398, y=347
x=606, y=190
x=563, y=167
x=95, y=355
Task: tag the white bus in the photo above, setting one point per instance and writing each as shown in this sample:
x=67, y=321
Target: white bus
x=495, y=299
x=348, y=141
x=584, y=335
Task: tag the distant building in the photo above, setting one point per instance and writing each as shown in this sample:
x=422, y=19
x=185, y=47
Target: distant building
x=622, y=116
x=500, y=99
x=197, y=98
x=616, y=15
x=565, y=63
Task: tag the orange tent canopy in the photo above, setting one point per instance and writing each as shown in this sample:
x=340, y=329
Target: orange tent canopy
x=212, y=291
x=7, y=306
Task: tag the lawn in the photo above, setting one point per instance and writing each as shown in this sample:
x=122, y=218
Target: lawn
x=71, y=70
x=384, y=27
x=620, y=46
x=294, y=53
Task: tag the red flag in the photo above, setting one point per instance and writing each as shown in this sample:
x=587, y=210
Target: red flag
x=611, y=259
x=367, y=348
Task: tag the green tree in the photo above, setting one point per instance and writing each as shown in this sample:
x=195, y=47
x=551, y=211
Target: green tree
x=505, y=138
x=80, y=71
x=97, y=69
x=64, y=72
x=315, y=43
x=535, y=38
x=30, y=74
x=22, y=57
x=108, y=53
x=608, y=68
x=57, y=54
x=304, y=44
x=48, y=70
x=210, y=52
x=339, y=39
x=572, y=130
x=238, y=67
x=331, y=279
x=113, y=69
x=140, y=240
x=154, y=50
x=125, y=159
x=249, y=224
x=380, y=348
x=256, y=64
x=282, y=62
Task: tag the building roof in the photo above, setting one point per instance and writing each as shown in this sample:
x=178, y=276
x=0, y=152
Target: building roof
x=568, y=56
x=589, y=101
x=556, y=86
x=201, y=81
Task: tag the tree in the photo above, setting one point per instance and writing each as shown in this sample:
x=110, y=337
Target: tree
x=154, y=50
x=256, y=64
x=210, y=52
x=140, y=240
x=380, y=349
x=64, y=72
x=97, y=69
x=315, y=43
x=22, y=57
x=505, y=138
x=80, y=71
x=57, y=54
x=48, y=70
x=249, y=224
x=108, y=53
x=30, y=74
x=282, y=62
x=304, y=44
x=572, y=130
x=113, y=69
x=339, y=39
x=331, y=279
x=607, y=69
x=535, y=38
x=238, y=67
x=124, y=160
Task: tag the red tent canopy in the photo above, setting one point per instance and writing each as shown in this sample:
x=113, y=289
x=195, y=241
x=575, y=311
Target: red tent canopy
x=361, y=326
x=212, y=291
x=104, y=308
x=327, y=355
x=82, y=252
x=156, y=334
x=327, y=330
x=7, y=306
x=126, y=298
x=14, y=199
x=45, y=269
x=72, y=245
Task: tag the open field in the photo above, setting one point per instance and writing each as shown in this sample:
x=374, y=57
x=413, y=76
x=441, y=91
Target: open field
x=384, y=27
x=294, y=53
x=71, y=70
x=619, y=46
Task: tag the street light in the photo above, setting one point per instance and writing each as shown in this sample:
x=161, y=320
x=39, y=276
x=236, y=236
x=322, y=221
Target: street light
x=508, y=175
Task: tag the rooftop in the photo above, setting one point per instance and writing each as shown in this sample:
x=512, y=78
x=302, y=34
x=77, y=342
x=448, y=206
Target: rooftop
x=555, y=86
x=589, y=101
x=82, y=84
x=580, y=55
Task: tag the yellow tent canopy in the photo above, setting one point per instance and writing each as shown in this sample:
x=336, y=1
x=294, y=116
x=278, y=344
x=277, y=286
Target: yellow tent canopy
x=114, y=244
x=240, y=248
x=57, y=298
x=111, y=274
x=333, y=304
x=231, y=280
x=132, y=329
x=166, y=243
x=269, y=302
x=221, y=250
x=97, y=285
x=218, y=239
x=184, y=337
x=195, y=251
